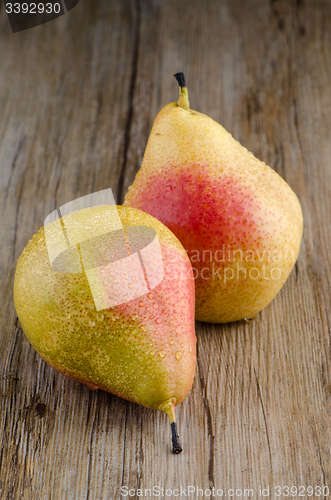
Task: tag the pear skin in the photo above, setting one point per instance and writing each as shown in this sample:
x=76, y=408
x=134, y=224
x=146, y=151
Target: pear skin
x=239, y=221
x=144, y=349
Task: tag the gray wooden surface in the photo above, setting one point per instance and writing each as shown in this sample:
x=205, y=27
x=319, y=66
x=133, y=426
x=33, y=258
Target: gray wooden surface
x=78, y=97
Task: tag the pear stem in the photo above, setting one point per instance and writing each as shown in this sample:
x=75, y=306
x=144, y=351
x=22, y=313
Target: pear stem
x=169, y=408
x=176, y=447
x=183, y=101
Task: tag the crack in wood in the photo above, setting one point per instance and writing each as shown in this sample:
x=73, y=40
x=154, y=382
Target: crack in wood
x=124, y=446
x=211, y=436
x=265, y=420
x=89, y=466
x=134, y=65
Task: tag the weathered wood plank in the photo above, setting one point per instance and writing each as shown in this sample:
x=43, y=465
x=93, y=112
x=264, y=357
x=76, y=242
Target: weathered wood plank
x=78, y=97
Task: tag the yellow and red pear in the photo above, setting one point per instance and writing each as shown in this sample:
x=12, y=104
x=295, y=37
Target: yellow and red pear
x=239, y=221
x=143, y=349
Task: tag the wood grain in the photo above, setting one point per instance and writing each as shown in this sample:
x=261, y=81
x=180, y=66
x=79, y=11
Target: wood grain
x=78, y=97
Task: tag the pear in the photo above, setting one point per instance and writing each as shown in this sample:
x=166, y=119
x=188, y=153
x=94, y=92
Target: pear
x=239, y=221
x=115, y=308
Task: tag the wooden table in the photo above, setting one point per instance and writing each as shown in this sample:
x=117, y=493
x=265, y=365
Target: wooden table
x=78, y=97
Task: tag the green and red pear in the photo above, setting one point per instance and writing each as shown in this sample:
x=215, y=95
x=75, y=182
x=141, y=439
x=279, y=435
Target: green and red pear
x=143, y=346
x=239, y=221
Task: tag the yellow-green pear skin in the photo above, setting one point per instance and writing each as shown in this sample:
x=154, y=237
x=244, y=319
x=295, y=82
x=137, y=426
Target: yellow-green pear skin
x=239, y=221
x=144, y=349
